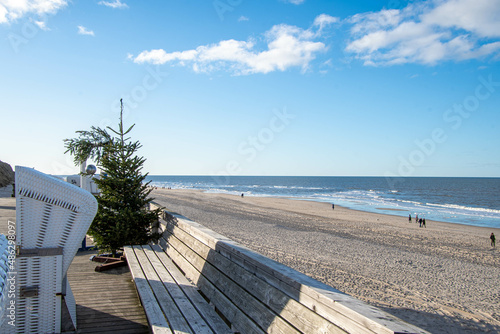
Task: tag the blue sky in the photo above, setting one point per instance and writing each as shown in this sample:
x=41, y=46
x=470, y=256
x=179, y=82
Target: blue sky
x=275, y=87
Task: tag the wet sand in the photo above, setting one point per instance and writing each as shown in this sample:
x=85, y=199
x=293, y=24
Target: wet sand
x=444, y=278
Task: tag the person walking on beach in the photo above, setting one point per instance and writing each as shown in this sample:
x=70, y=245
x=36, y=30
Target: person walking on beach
x=492, y=238
x=423, y=223
x=409, y=218
x=420, y=221
x=416, y=218
x=333, y=206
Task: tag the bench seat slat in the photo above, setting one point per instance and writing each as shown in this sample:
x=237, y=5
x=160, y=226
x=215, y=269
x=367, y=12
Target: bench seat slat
x=263, y=316
x=191, y=291
x=175, y=318
x=184, y=304
x=239, y=319
x=254, y=308
x=157, y=321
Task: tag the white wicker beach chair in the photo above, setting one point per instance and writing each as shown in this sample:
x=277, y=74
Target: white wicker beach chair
x=52, y=218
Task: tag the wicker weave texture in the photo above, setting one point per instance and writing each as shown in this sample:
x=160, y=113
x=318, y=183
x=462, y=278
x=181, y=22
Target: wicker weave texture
x=53, y=213
x=40, y=313
x=4, y=275
x=50, y=214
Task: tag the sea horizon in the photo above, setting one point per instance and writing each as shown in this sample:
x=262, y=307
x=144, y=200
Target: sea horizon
x=360, y=176
x=462, y=200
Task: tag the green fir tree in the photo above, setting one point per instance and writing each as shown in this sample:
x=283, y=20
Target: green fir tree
x=123, y=216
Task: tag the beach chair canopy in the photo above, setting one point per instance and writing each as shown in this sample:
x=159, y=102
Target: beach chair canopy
x=52, y=218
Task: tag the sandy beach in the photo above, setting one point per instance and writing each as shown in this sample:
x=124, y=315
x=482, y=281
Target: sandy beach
x=444, y=278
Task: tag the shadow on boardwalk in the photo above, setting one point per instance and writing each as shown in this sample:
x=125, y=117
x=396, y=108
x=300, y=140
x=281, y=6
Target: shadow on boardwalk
x=107, y=302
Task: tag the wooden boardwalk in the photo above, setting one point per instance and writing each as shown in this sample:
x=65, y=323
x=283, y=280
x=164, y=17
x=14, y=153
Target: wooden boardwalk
x=107, y=302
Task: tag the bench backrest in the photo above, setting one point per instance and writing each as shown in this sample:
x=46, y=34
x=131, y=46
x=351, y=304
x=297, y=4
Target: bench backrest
x=258, y=295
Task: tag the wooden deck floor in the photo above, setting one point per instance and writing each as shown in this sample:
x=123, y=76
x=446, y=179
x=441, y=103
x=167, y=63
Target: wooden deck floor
x=107, y=302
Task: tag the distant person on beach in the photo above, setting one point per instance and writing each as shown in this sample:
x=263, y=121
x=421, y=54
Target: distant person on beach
x=420, y=221
x=423, y=223
x=242, y=195
x=333, y=206
x=409, y=218
x=492, y=238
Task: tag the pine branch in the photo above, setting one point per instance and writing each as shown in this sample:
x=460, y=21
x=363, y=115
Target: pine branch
x=88, y=145
x=123, y=216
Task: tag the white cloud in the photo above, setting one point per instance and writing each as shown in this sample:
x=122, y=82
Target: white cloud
x=84, y=31
x=324, y=20
x=114, y=4
x=42, y=25
x=367, y=22
x=286, y=47
x=11, y=10
x=427, y=32
x=481, y=17
x=159, y=56
x=243, y=18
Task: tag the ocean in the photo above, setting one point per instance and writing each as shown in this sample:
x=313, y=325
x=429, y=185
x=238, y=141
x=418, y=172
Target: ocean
x=470, y=201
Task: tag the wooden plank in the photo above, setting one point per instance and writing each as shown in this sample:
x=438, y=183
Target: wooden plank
x=176, y=320
x=153, y=311
x=238, y=319
x=339, y=308
x=181, y=314
x=105, y=303
x=122, y=312
x=89, y=286
x=115, y=322
x=264, y=317
x=191, y=291
x=301, y=317
x=200, y=232
x=114, y=330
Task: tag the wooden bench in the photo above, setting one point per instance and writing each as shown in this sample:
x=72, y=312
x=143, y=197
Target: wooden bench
x=250, y=292
x=172, y=303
